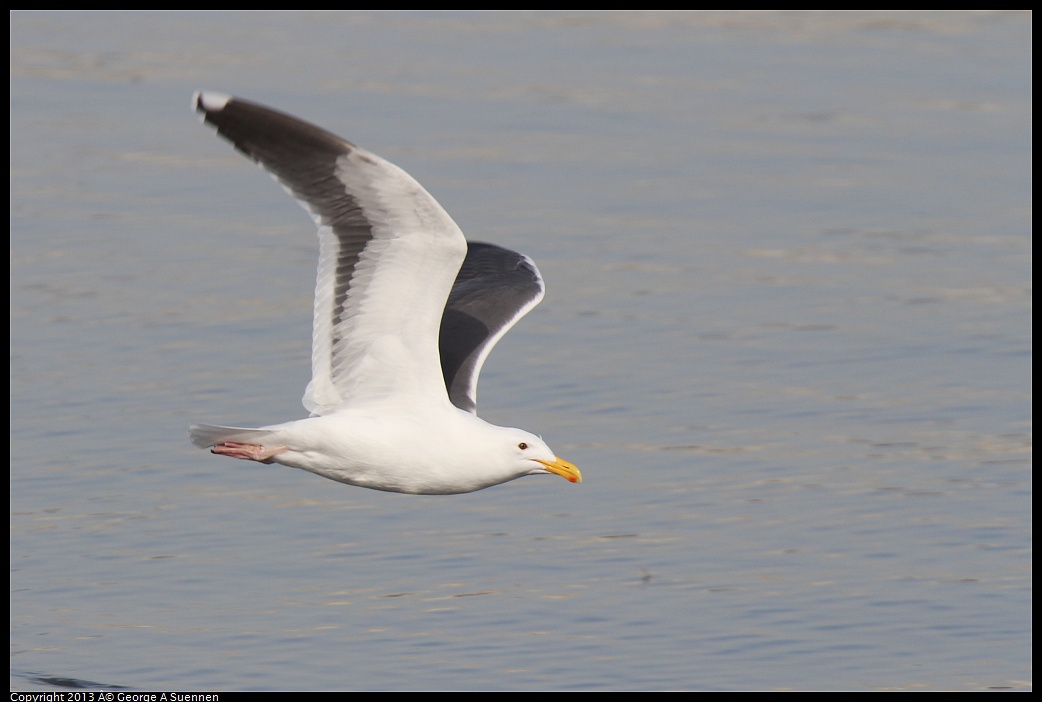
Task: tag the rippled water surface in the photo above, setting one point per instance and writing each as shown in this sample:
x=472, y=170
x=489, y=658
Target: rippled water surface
x=787, y=337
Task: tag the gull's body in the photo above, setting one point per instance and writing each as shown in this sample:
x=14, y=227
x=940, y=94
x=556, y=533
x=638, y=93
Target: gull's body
x=405, y=314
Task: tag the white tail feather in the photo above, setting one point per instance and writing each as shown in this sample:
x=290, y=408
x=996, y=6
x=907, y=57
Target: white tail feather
x=206, y=435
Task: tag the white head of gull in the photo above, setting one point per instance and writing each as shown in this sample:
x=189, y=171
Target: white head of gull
x=406, y=311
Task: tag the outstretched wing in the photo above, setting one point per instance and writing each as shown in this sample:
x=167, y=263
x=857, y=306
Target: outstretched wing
x=388, y=255
x=495, y=288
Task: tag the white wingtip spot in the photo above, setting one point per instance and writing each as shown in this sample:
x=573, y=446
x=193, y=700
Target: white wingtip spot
x=206, y=101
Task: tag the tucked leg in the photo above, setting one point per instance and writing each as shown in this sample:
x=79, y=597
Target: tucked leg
x=248, y=452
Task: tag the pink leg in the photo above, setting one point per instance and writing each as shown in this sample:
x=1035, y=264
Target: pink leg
x=248, y=452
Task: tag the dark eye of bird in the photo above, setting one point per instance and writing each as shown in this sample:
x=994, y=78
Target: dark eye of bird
x=522, y=446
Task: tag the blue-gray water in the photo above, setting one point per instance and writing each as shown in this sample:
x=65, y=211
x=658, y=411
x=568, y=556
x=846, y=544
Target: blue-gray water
x=787, y=337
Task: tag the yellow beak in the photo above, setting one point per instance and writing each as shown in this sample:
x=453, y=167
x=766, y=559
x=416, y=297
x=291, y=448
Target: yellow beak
x=563, y=468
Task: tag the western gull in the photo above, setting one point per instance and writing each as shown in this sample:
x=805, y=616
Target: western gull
x=406, y=311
